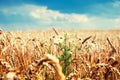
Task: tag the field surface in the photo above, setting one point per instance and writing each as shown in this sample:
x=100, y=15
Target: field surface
x=60, y=55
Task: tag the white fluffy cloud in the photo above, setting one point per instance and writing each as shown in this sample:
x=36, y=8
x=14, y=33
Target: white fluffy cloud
x=51, y=15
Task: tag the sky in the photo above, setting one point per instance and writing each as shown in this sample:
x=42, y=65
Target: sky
x=61, y=14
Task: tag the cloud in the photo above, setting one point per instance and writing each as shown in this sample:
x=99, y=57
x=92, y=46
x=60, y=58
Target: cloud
x=40, y=17
x=48, y=15
x=117, y=22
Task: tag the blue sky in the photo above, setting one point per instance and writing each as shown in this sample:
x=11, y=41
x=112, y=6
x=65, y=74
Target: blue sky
x=65, y=14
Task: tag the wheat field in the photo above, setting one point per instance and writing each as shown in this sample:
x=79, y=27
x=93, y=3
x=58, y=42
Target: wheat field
x=56, y=54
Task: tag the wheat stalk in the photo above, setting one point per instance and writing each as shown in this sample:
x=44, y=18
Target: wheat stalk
x=53, y=61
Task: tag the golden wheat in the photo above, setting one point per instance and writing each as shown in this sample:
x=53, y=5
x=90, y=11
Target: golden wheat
x=95, y=55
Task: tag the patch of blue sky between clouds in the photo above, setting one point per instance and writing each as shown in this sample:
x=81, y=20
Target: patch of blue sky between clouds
x=109, y=10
